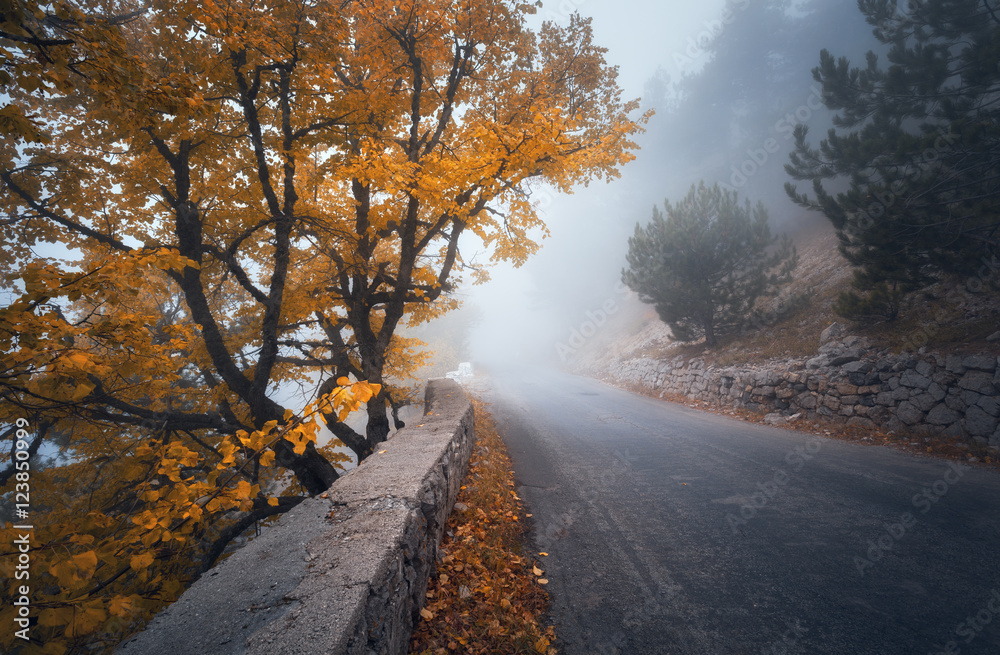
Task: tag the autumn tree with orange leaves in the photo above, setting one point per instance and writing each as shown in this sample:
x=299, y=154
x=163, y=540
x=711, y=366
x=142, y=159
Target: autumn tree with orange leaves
x=205, y=203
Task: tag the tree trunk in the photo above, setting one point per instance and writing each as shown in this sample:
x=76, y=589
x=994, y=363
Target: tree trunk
x=709, y=325
x=311, y=469
x=378, y=419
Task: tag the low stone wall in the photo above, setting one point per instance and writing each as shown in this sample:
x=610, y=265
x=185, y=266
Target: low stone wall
x=847, y=382
x=342, y=574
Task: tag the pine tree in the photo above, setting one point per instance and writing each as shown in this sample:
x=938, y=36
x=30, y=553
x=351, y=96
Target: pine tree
x=705, y=261
x=917, y=146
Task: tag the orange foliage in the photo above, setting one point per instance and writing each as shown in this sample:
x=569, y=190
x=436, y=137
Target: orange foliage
x=208, y=204
x=488, y=595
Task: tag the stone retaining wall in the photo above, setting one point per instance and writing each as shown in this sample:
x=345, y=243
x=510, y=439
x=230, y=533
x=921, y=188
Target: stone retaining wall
x=344, y=573
x=847, y=382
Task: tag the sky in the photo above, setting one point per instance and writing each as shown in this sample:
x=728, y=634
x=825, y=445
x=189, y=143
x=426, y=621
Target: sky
x=642, y=35
x=589, y=229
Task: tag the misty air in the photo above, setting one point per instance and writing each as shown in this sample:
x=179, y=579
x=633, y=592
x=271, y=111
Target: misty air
x=496, y=327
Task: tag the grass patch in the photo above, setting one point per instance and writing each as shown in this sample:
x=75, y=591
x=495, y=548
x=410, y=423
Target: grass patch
x=487, y=595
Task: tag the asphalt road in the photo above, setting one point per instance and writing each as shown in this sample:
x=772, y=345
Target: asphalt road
x=676, y=531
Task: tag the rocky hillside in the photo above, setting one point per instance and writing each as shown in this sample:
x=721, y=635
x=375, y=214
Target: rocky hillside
x=952, y=317
x=935, y=372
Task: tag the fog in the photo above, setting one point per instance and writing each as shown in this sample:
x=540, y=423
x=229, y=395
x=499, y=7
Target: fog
x=729, y=81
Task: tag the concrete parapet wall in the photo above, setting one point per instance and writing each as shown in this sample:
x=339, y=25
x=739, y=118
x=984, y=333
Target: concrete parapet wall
x=342, y=574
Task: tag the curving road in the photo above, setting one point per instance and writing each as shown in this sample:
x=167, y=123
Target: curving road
x=676, y=531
